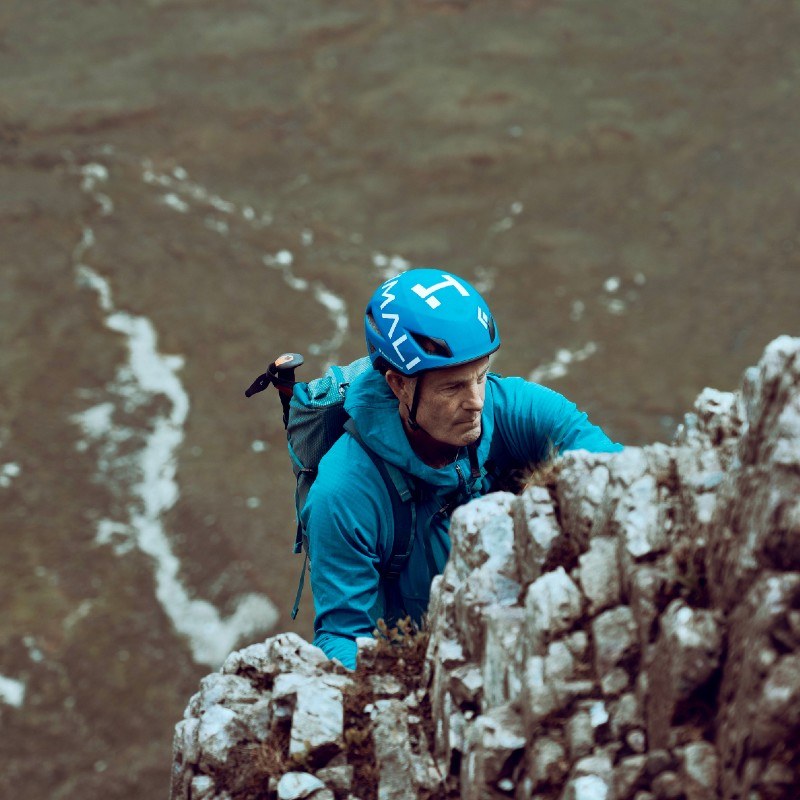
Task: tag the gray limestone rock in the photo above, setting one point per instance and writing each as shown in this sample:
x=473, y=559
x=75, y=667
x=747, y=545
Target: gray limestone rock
x=615, y=682
x=483, y=531
x=441, y=610
x=393, y=752
x=256, y=718
x=636, y=740
x=638, y=520
x=599, y=763
x=221, y=689
x=501, y=665
x=700, y=771
x=483, y=588
x=761, y=494
x=625, y=714
x=202, y=787
x=298, y=785
x=317, y=721
x=559, y=663
x=592, y=778
x=443, y=656
x=466, y=686
x=667, y=786
x=494, y=742
x=546, y=762
x=598, y=713
x=578, y=644
x=180, y=779
x=627, y=774
x=614, y=637
x=687, y=653
x=645, y=584
x=754, y=628
x=538, y=698
x=218, y=733
x=186, y=740
x=778, y=706
x=580, y=735
x=772, y=406
x=598, y=574
x=679, y=622
x=339, y=778
x=627, y=467
x=282, y=653
x=588, y=787
x=553, y=603
x=536, y=530
x=581, y=489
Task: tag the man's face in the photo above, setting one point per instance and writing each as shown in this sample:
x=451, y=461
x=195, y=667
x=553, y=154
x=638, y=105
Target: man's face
x=451, y=401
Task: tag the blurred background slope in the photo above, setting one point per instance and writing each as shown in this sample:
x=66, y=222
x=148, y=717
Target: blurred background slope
x=188, y=188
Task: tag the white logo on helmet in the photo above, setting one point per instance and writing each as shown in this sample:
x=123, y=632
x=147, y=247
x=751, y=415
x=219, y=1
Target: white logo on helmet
x=428, y=294
x=389, y=297
x=396, y=344
x=483, y=318
x=387, y=294
x=395, y=319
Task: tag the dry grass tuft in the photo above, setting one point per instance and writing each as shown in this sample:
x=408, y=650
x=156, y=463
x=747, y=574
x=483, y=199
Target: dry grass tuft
x=544, y=474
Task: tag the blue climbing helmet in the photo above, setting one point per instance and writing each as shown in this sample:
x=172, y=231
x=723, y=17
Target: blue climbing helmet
x=423, y=310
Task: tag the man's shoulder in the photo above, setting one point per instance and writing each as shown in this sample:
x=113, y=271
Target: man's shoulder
x=346, y=467
x=508, y=391
x=348, y=486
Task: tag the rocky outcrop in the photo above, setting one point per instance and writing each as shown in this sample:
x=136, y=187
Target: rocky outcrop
x=626, y=629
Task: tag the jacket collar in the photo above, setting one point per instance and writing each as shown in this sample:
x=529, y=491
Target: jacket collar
x=374, y=409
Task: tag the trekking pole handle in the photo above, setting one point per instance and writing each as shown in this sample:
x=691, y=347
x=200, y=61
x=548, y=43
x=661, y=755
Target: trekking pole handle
x=283, y=367
x=280, y=373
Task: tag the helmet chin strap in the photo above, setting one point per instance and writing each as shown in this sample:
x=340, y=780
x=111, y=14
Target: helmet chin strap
x=412, y=411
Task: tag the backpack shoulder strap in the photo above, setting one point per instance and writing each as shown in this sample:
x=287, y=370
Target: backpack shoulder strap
x=403, y=507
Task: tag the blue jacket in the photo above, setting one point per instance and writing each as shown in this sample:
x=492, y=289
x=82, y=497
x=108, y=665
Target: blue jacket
x=348, y=513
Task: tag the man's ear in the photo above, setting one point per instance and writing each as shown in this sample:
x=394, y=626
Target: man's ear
x=399, y=384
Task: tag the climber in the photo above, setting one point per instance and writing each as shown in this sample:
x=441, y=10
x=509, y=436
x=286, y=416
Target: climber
x=431, y=411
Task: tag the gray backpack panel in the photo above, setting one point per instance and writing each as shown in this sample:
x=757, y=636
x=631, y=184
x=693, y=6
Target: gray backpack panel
x=316, y=420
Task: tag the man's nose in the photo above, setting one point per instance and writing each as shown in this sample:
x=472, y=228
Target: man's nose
x=474, y=398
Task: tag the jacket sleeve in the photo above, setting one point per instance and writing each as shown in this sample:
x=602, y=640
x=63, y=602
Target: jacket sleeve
x=535, y=422
x=346, y=522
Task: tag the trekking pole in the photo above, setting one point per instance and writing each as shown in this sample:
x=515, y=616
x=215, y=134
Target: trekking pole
x=280, y=373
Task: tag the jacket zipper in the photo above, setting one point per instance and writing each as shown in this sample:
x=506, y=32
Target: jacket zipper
x=461, y=482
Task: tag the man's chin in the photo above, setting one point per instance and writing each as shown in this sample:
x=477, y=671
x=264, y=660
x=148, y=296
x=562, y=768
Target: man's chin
x=471, y=436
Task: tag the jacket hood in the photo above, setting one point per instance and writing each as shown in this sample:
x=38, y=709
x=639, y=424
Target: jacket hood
x=374, y=409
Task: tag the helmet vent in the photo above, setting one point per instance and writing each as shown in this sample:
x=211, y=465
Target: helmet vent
x=433, y=346
x=373, y=324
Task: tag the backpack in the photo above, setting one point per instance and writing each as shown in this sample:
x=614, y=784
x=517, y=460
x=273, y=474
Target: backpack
x=314, y=419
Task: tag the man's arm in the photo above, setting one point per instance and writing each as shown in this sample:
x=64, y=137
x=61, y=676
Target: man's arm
x=536, y=422
x=345, y=516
